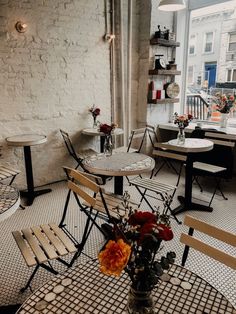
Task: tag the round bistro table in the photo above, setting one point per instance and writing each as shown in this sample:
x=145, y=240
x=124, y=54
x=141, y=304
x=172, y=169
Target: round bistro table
x=26, y=141
x=119, y=165
x=190, y=147
x=9, y=201
x=84, y=289
x=96, y=132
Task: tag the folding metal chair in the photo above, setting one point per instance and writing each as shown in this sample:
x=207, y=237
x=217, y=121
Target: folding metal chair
x=78, y=157
x=159, y=190
x=92, y=200
x=217, y=163
x=39, y=245
x=138, y=138
x=7, y=172
x=205, y=248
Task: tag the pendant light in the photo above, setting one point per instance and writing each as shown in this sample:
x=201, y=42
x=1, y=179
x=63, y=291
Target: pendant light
x=171, y=5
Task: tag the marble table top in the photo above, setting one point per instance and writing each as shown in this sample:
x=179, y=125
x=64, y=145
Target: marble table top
x=119, y=164
x=26, y=140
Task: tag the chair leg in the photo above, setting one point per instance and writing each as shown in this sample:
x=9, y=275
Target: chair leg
x=30, y=279
x=195, y=178
x=186, y=249
x=167, y=200
x=221, y=192
x=217, y=187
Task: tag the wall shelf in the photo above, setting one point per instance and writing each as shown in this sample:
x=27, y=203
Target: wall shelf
x=164, y=101
x=164, y=72
x=164, y=42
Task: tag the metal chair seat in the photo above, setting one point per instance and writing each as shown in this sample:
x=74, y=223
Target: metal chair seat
x=153, y=185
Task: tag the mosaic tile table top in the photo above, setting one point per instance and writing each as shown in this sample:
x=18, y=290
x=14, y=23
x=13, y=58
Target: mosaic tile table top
x=9, y=201
x=119, y=164
x=84, y=289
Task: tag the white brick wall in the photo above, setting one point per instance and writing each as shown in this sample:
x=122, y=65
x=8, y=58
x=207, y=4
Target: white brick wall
x=49, y=76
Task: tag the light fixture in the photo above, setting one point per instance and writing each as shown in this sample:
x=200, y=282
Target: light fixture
x=171, y=5
x=21, y=27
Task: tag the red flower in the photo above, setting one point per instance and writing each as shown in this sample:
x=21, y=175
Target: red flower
x=141, y=218
x=105, y=128
x=147, y=228
x=165, y=232
x=96, y=112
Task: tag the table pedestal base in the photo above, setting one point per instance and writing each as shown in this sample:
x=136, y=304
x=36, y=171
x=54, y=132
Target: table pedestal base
x=192, y=206
x=30, y=196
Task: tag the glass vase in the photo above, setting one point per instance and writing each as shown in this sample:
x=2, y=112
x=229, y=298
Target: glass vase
x=108, y=146
x=223, y=120
x=181, y=137
x=95, y=124
x=140, y=302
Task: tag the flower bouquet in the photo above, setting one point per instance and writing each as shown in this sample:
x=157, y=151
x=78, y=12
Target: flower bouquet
x=107, y=129
x=224, y=103
x=183, y=122
x=134, y=248
x=95, y=111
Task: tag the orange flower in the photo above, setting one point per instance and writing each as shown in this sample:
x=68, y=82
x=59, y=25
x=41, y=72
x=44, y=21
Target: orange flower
x=114, y=258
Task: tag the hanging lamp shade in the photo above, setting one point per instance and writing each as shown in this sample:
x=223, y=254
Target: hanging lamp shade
x=171, y=5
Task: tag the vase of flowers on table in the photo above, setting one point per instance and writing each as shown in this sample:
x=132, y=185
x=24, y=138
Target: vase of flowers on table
x=107, y=130
x=134, y=248
x=224, y=104
x=95, y=111
x=182, y=121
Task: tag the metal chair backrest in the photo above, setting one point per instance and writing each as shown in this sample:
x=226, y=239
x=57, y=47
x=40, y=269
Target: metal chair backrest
x=79, y=180
x=142, y=134
x=199, y=245
x=70, y=146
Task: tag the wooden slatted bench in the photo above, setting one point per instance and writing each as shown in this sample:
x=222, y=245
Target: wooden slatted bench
x=40, y=244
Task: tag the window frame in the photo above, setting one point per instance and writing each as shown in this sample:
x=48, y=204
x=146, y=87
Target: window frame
x=204, y=42
x=230, y=33
x=195, y=40
x=233, y=70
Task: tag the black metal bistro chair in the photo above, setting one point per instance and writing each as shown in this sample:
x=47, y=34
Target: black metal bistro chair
x=217, y=163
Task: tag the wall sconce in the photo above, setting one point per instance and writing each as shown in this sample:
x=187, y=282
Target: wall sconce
x=109, y=37
x=21, y=27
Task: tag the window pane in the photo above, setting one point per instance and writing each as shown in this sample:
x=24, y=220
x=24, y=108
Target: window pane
x=232, y=37
x=209, y=37
x=234, y=75
x=229, y=76
x=232, y=47
x=208, y=47
x=191, y=50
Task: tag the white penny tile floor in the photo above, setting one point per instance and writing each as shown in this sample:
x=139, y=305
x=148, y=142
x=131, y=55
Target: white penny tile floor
x=48, y=208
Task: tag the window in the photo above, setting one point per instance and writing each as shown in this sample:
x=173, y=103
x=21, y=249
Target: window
x=231, y=75
x=232, y=42
x=208, y=42
x=192, y=44
x=190, y=75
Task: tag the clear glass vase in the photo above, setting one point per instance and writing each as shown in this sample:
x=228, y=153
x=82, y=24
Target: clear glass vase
x=181, y=137
x=95, y=124
x=223, y=120
x=140, y=302
x=108, y=146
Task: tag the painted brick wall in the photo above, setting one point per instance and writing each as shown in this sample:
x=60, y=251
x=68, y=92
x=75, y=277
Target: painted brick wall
x=50, y=75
